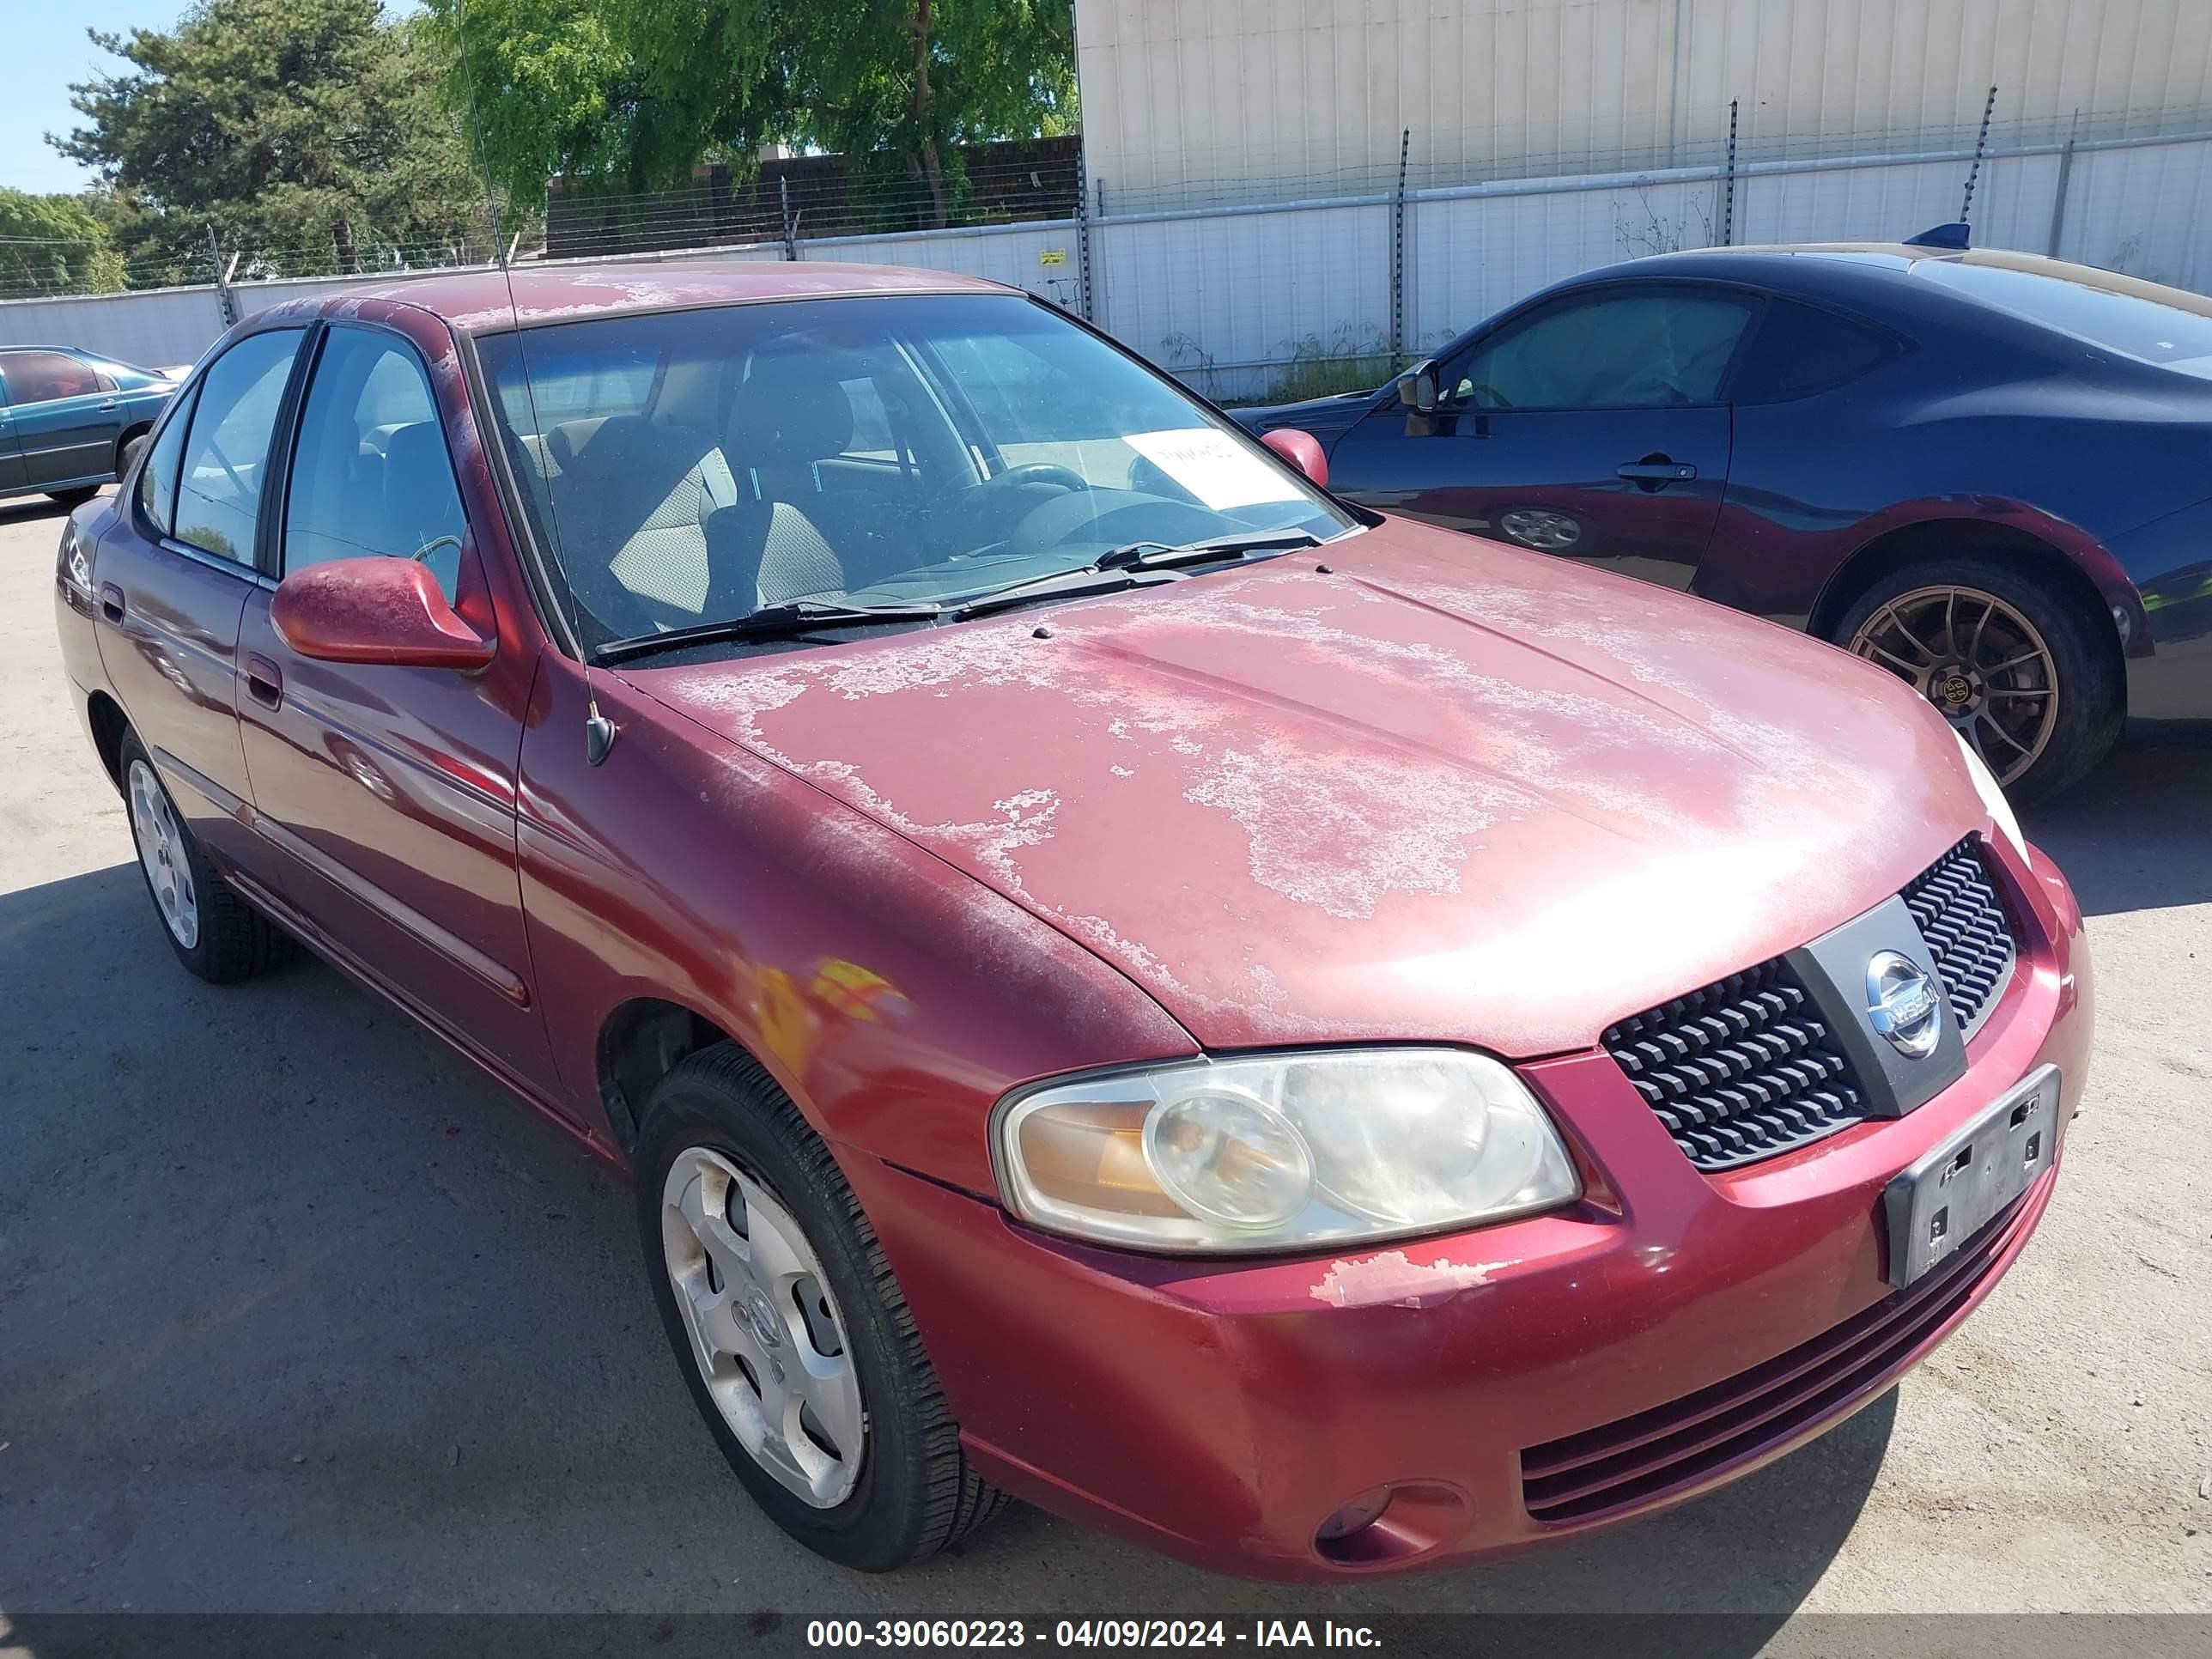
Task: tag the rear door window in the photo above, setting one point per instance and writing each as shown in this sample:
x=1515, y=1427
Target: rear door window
x=40, y=377
x=227, y=452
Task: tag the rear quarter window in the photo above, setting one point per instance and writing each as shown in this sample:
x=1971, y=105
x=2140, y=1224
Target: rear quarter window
x=1799, y=349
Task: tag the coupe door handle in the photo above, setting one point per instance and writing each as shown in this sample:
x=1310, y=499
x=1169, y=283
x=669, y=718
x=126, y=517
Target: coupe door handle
x=110, y=403
x=265, y=682
x=1656, y=470
x=111, y=602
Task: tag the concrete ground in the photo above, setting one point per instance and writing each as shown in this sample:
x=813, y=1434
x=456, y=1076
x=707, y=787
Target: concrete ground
x=299, y=1313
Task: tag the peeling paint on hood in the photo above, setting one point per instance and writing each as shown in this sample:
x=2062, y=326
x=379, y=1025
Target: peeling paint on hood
x=1449, y=791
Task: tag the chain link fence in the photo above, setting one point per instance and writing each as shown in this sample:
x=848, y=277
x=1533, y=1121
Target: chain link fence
x=1265, y=276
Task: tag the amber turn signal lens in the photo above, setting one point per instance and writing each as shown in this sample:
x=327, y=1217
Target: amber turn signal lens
x=1092, y=1153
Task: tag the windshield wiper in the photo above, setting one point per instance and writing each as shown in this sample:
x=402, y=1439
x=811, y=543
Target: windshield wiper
x=770, y=622
x=1124, y=565
x=1153, y=555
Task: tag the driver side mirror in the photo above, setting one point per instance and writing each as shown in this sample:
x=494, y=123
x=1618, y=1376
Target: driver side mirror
x=1417, y=388
x=376, y=610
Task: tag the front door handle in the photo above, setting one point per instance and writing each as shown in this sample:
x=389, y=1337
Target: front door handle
x=265, y=681
x=1655, y=472
x=111, y=602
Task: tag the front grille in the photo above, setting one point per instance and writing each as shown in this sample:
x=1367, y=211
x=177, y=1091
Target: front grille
x=1741, y=1070
x=1747, y=1068
x=1632, y=1460
x=1963, y=921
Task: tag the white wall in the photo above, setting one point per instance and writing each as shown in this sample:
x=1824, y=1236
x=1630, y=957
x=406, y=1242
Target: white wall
x=159, y=329
x=1298, y=98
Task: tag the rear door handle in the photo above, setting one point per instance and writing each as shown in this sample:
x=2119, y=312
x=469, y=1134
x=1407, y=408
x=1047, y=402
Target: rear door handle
x=1655, y=472
x=111, y=602
x=110, y=403
x=265, y=681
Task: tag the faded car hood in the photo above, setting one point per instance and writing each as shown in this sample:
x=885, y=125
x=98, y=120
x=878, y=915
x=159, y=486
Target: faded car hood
x=1449, y=791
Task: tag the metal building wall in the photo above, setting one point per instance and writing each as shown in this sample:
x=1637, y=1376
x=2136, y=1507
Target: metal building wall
x=1307, y=98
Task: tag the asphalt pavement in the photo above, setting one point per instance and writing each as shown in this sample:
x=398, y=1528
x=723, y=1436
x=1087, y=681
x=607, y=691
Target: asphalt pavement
x=298, y=1312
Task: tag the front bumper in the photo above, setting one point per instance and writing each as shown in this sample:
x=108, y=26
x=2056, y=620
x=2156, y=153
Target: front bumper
x=1672, y=1331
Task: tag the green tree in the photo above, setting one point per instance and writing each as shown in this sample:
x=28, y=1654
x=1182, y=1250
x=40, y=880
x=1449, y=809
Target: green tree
x=53, y=244
x=309, y=132
x=915, y=79
x=634, y=92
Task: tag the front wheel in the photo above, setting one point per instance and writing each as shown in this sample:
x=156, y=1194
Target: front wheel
x=799, y=1349
x=2019, y=672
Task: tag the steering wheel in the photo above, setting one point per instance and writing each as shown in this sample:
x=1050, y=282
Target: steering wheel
x=1031, y=472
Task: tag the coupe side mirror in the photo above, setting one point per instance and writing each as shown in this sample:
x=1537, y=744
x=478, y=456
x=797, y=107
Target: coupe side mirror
x=1302, y=450
x=382, y=611
x=1417, y=388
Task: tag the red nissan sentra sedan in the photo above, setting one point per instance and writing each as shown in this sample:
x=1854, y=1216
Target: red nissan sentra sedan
x=1119, y=979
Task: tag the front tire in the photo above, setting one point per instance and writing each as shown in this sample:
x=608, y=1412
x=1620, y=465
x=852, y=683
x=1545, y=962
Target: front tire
x=799, y=1349
x=216, y=934
x=2021, y=673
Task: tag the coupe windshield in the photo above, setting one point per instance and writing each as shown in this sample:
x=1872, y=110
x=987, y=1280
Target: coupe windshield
x=691, y=467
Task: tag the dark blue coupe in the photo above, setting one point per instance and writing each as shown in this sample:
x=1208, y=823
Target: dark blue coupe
x=1990, y=471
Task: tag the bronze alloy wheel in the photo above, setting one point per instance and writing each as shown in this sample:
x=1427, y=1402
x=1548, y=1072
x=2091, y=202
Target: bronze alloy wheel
x=1979, y=661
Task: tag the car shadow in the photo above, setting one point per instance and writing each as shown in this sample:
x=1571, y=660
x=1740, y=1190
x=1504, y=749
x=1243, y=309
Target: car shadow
x=306, y=1316
x=2132, y=835
x=29, y=509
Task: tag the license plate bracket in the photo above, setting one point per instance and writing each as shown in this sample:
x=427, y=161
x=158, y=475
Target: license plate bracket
x=1950, y=1193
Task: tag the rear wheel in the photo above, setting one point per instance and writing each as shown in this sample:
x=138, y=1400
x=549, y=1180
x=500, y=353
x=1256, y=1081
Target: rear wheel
x=2019, y=672
x=127, y=457
x=214, y=932
x=800, y=1351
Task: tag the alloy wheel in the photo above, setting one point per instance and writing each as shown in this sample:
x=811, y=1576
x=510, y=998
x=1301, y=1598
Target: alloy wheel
x=765, y=1329
x=161, y=850
x=1979, y=661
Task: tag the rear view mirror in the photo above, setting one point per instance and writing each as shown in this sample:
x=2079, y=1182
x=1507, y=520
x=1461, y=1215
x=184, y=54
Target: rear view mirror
x=1417, y=388
x=1302, y=450
x=382, y=611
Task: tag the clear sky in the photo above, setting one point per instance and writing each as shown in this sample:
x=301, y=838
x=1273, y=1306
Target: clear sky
x=45, y=50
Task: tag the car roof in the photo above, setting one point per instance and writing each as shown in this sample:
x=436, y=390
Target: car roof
x=1844, y=267
x=477, y=302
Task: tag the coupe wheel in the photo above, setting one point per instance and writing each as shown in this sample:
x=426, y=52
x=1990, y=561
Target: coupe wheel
x=215, y=933
x=2017, y=671
x=798, y=1348
x=1544, y=529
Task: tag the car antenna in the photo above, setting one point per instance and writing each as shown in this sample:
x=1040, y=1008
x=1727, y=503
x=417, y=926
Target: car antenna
x=599, y=730
x=1951, y=236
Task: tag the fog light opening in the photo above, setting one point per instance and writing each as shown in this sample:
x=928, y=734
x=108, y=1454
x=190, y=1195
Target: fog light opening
x=1389, y=1524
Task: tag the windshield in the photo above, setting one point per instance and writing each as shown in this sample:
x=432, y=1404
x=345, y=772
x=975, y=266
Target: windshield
x=690, y=467
x=2138, y=319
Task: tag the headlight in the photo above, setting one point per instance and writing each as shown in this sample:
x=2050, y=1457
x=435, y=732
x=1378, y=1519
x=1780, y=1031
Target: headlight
x=1993, y=797
x=1278, y=1152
